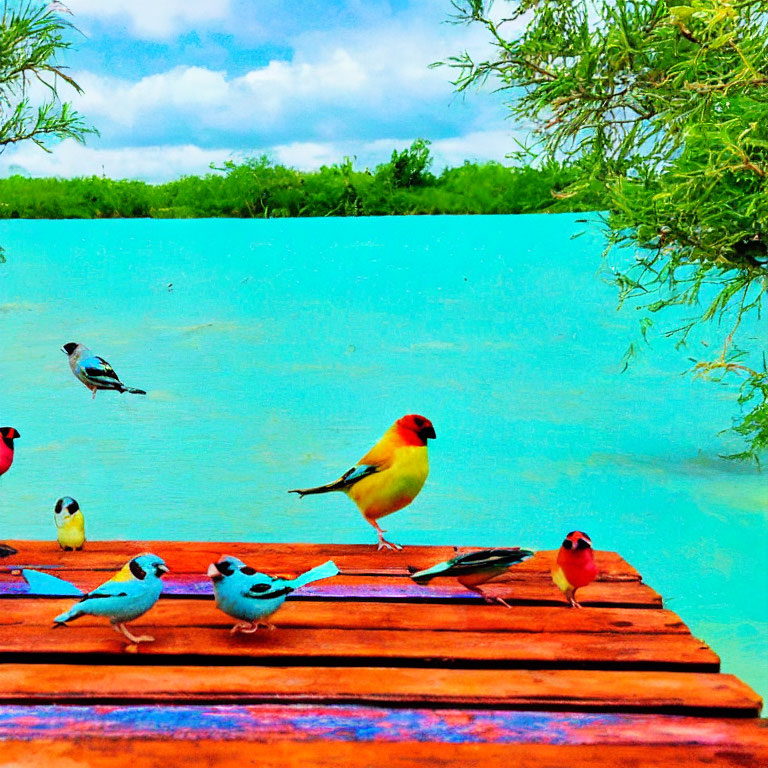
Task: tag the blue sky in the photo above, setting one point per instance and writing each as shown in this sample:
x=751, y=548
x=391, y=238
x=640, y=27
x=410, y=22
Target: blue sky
x=173, y=85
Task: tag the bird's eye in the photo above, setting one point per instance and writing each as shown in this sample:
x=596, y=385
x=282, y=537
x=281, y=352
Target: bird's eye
x=568, y=544
x=247, y=570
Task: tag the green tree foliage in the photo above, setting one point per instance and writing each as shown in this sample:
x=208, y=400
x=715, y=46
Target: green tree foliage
x=662, y=104
x=257, y=188
x=32, y=35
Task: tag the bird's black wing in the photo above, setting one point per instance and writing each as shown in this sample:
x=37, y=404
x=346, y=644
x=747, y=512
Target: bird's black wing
x=101, y=371
x=488, y=558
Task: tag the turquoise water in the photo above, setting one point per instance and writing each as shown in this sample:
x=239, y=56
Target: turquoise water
x=284, y=348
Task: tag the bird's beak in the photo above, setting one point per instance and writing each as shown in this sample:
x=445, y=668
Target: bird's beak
x=64, y=351
x=213, y=573
x=428, y=433
x=162, y=569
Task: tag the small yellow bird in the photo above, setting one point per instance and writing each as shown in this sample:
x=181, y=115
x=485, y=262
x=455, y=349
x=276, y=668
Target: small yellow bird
x=389, y=476
x=70, y=524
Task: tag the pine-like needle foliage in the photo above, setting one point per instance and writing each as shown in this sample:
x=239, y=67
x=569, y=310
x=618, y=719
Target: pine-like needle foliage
x=663, y=104
x=32, y=35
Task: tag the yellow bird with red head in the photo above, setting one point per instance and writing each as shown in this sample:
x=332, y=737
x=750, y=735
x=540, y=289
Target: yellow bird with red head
x=389, y=476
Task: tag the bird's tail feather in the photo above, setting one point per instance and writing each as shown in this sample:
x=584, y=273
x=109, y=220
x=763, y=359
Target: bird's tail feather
x=132, y=390
x=336, y=485
x=425, y=576
x=6, y=550
x=72, y=613
x=43, y=584
x=324, y=571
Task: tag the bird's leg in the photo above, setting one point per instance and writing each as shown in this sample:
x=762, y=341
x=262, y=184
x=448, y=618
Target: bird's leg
x=571, y=595
x=121, y=629
x=94, y=390
x=488, y=599
x=383, y=543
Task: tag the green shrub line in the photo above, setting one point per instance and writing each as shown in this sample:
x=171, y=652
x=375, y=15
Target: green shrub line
x=258, y=188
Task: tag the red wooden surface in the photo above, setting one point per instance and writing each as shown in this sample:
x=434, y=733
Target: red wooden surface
x=364, y=669
x=376, y=615
x=215, y=753
x=565, y=690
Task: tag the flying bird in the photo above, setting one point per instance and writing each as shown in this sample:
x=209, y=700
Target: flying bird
x=7, y=436
x=252, y=597
x=95, y=372
x=575, y=565
x=474, y=569
x=389, y=476
x=130, y=593
x=70, y=524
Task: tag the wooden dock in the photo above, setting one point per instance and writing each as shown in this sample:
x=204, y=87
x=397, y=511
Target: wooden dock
x=364, y=669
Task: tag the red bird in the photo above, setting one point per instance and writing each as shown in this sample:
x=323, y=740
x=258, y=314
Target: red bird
x=575, y=565
x=7, y=436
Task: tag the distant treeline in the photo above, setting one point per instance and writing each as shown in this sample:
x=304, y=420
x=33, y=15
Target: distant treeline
x=257, y=188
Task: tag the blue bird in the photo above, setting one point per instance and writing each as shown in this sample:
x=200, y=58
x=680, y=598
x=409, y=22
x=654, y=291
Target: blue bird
x=95, y=372
x=129, y=594
x=243, y=593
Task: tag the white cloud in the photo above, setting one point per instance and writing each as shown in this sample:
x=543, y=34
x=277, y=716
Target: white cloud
x=332, y=84
x=70, y=159
x=152, y=19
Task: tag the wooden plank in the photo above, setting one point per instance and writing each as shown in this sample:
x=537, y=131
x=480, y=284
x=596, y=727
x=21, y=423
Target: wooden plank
x=377, y=615
x=346, y=647
x=538, y=591
x=214, y=754
x=288, y=558
x=206, y=753
x=560, y=690
x=358, y=724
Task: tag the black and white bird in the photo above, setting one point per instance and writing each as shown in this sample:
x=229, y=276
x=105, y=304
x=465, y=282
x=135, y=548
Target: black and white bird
x=95, y=372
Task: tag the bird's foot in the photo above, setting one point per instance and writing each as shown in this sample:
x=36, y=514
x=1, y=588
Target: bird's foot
x=134, y=639
x=502, y=601
x=248, y=628
x=383, y=543
x=573, y=603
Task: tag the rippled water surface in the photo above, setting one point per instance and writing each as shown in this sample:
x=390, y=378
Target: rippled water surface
x=276, y=352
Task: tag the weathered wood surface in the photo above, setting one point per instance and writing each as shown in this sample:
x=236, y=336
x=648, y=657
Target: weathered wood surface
x=364, y=669
x=306, y=723
x=215, y=753
x=374, y=615
x=364, y=646
x=667, y=692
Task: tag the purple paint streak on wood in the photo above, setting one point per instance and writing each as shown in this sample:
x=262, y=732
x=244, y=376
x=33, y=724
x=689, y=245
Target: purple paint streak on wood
x=352, y=723
x=194, y=587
